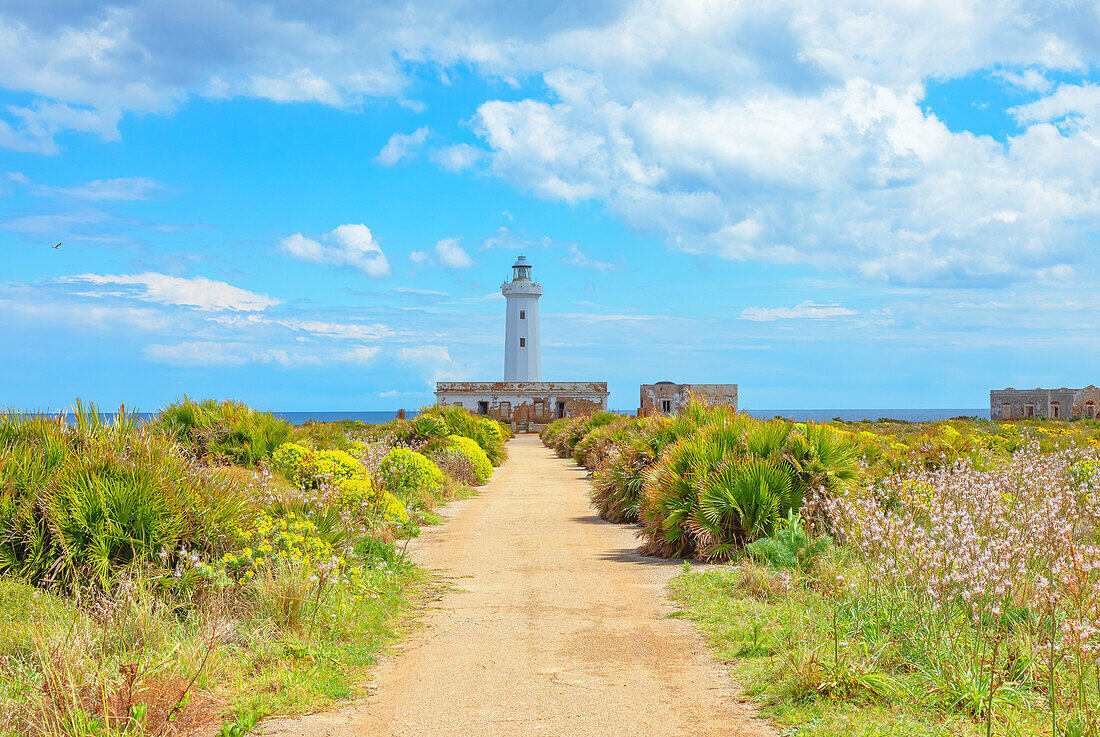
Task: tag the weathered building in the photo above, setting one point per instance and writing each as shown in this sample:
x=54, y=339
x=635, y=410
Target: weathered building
x=1064, y=403
x=522, y=397
x=666, y=398
x=525, y=402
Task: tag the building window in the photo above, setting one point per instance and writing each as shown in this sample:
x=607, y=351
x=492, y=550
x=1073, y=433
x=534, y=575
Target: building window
x=458, y=404
x=523, y=314
x=483, y=408
x=666, y=406
x=522, y=342
x=561, y=410
x=504, y=410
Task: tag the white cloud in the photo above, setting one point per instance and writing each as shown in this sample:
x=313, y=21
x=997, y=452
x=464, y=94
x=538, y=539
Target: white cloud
x=300, y=85
x=1028, y=80
x=69, y=314
x=198, y=292
x=577, y=257
x=422, y=292
x=347, y=245
x=457, y=157
x=859, y=175
x=424, y=354
x=122, y=188
x=420, y=258
x=359, y=354
x=402, y=146
x=209, y=353
x=508, y=240
x=805, y=311
x=1068, y=99
x=432, y=360
x=452, y=255
x=33, y=128
x=342, y=331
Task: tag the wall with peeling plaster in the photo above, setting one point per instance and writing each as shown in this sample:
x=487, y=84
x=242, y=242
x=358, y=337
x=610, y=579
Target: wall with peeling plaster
x=1063, y=403
x=666, y=398
x=526, y=402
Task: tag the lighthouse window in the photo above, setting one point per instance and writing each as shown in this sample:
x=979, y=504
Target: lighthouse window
x=523, y=314
x=522, y=342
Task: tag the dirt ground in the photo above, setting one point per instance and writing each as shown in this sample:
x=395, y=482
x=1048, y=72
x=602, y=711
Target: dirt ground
x=554, y=626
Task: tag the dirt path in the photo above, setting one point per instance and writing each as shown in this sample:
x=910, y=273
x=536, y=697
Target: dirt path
x=555, y=627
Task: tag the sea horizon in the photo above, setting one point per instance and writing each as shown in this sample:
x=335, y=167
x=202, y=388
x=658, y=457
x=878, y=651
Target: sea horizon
x=917, y=414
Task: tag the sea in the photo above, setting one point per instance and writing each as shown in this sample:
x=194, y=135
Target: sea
x=797, y=415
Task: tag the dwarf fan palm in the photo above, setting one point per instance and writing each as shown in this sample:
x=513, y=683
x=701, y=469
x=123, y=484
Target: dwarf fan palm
x=740, y=502
x=672, y=485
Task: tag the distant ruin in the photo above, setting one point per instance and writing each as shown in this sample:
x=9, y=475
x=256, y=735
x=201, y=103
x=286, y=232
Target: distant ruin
x=666, y=398
x=1053, y=404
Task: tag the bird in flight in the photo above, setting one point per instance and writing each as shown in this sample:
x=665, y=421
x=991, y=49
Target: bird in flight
x=58, y=246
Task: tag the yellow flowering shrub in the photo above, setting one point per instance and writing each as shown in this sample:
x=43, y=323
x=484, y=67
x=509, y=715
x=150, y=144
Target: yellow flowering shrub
x=361, y=494
x=341, y=481
x=483, y=468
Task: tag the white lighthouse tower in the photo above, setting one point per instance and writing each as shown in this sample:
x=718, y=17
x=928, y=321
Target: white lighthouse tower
x=522, y=361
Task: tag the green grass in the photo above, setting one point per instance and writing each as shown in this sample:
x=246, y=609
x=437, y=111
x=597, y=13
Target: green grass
x=249, y=665
x=810, y=679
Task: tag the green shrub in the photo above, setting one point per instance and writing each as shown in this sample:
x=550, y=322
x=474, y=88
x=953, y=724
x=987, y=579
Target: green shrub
x=483, y=469
x=78, y=504
x=224, y=432
x=485, y=431
x=344, y=481
x=727, y=481
x=429, y=427
x=309, y=468
x=411, y=477
x=790, y=547
x=334, y=435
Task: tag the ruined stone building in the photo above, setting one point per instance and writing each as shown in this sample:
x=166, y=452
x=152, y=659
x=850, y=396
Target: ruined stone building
x=666, y=398
x=1017, y=404
x=523, y=398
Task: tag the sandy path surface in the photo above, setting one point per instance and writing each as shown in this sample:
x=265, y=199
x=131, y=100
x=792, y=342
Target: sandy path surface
x=554, y=627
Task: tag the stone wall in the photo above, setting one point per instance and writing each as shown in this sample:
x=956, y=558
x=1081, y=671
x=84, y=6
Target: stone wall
x=665, y=398
x=525, y=402
x=1063, y=403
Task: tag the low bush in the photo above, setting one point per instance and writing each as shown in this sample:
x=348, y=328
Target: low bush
x=412, y=477
x=334, y=435
x=224, y=432
x=486, y=432
x=483, y=469
x=334, y=480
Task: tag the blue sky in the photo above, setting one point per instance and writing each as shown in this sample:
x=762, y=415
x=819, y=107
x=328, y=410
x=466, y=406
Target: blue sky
x=312, y=208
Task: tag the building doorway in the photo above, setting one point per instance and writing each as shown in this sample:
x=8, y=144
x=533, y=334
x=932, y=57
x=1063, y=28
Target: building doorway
x=1006, y=411
x=1055, y=408
x=1029, y=410
x=1090, y=410
x=540, y=410
x=504, y=411
x=561, y=410
x=666, y=406
x=483, y=408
